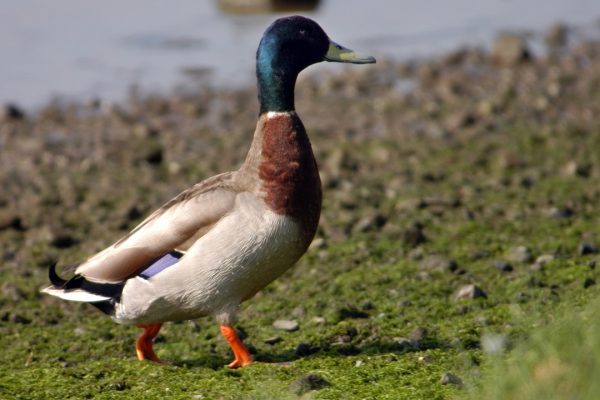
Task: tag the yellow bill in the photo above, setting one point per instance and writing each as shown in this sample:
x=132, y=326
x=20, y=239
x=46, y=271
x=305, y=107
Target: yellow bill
x=338, y=53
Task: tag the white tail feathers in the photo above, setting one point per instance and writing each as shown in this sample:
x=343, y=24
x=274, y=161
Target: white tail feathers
x=75, y=295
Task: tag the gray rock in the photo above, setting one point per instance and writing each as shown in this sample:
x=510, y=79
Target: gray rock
x=510, y=49
x=520, y=254
x=502, y=266
x=560, y=212
x=286, y=325
x=425, y=359
x=417, y=335
x=414, y=236
x=541, y=261
x=574, y=168
x=11, y=112
x=370, y=223
x=557, y=36
x=470, y=292
x=587, y=248
x=448, y=378
x=273, y=340
x=438, y=263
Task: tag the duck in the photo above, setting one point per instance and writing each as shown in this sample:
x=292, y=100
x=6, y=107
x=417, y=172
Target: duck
x=218, y=243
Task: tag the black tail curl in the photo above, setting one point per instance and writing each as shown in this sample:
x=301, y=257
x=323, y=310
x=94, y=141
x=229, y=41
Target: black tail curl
x=78, y=282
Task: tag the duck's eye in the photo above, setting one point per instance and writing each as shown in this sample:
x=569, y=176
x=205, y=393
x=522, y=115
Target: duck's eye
x=337, y=46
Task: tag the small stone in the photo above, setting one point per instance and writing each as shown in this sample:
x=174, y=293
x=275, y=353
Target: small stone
x=425, y=359
x=438, y=263
x=588, y=282
x=502, y=266
x=305, y=349
x=414, y=236
x=11, y=112
x=417, y=335
x=359, y=363
x=154, y=156
x=573, y=168
x=307, y=383
x=448, y=378
x=542, y=260
x=520, y=254
x=560, y=212
x=470, y=292
x=63, y=240
x=510, y=49
x=403, y=343
x=373, y=223
x=273, y=340
x=557, y=36
x=367, y=305
x=18, y=319
x=587, y=248
x=351, y=312
x=11, y=222
x=286, y=325
x=318, y=321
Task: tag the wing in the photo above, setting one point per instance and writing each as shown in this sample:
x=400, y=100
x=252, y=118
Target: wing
x=168, y=227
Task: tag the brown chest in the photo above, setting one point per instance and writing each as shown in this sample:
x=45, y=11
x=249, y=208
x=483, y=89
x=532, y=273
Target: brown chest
x=288, y=171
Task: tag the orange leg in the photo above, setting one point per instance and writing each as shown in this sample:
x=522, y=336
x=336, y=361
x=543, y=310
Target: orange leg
x=143, y=346
x=241, y=353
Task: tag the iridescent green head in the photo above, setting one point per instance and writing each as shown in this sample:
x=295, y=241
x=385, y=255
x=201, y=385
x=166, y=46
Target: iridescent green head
x=287, y=47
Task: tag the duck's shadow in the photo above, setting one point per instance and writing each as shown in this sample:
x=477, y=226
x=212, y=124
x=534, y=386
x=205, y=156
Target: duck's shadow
x=286, y=356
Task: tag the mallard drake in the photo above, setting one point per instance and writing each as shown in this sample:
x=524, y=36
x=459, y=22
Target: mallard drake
x=219, y=242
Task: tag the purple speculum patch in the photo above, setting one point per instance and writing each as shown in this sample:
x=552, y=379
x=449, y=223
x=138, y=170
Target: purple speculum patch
x=161, y=264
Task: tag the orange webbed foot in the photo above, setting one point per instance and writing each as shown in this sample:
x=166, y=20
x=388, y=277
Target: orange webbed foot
x=143, y=346
x=240, y=352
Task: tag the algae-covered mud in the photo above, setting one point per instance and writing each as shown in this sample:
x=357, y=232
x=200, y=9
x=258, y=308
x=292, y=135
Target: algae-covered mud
x=460, y=227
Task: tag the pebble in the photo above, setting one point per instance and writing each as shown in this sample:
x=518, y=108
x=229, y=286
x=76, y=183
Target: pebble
x=417, y=335
x=438, y=263
x=448, y=378
x=414, y=235
x=557, y=36
x=371, y=223
x=469, y=292
x=574, y=168
x=286, y=325
x=318, y=321
x=351, y=312
x=305, y=349
x=307, y=383
x=273, y=340
x=560, y=212
x=425, y=359
x=502, y=266
x=588, y=282
x=510, y=49
x=63, y=240
x=587, y=248
x=11, y=112
x=544, y=259
x=520, y=254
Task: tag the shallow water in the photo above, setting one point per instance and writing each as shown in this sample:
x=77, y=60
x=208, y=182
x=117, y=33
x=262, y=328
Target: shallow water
x=75, y=49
